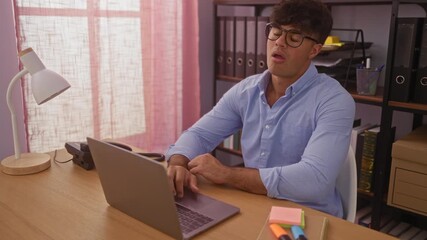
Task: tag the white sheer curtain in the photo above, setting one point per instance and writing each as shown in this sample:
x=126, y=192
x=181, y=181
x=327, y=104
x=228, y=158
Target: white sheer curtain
x=127, y=62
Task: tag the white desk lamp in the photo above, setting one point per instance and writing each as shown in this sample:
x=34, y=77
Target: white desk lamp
x=45, y=85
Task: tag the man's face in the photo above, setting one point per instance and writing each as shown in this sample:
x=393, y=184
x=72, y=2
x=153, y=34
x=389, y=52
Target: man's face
x=289, y=62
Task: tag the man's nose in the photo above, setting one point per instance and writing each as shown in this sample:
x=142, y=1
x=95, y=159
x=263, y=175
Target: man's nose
x=281, y=41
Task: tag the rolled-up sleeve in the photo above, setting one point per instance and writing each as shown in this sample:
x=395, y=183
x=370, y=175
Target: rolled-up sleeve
x=222, y=121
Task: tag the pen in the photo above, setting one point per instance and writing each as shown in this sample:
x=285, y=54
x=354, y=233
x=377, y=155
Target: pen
x=298, y=233
x=279, y=232
x=379, y=68
x=368, y=62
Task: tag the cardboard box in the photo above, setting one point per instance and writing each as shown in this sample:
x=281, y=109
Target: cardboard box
x=408, y=176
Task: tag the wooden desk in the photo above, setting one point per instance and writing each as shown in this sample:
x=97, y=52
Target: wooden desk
x=67, y=202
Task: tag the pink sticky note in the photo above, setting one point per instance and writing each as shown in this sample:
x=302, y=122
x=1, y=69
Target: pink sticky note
x=285, y=215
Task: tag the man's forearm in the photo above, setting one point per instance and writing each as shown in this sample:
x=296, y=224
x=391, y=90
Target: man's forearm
x=247, y=179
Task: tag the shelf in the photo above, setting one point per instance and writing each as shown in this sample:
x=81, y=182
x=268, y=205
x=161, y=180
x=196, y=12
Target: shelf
x=348, y=45
x=409, y=107
x=228, y=78
x=372, y=100
x=367, y=195
x=370, y=195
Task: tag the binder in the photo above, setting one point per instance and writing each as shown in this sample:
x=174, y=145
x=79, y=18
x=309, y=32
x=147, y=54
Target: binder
x=240, y=47
x=220, y=46
x=229, y=46
x=420, y=88
x=261, y=48
x=251, y=32
x=404, y=56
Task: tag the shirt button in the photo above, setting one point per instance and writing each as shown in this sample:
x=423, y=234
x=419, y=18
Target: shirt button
x=263, y=153
x=267, y=126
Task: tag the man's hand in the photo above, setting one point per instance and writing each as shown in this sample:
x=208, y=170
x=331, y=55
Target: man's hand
x=209, y=167
x=179, y=176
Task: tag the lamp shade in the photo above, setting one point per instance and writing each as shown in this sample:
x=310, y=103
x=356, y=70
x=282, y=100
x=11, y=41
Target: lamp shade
x=47, y=84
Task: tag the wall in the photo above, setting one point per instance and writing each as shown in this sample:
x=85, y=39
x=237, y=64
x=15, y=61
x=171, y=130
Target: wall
x=8, y=69
x=206, y=53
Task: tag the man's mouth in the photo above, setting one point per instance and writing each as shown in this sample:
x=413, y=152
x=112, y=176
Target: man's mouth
x=277, y=56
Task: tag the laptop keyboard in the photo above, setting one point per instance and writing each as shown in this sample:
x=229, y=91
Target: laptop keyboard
x=190, y=220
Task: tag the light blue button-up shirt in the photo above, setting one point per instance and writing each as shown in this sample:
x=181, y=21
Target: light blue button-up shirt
x=298, y=144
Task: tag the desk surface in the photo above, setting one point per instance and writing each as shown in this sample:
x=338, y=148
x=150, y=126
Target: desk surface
x=67, y=202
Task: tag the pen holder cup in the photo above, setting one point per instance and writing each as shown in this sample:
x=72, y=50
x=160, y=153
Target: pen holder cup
x=367, y=80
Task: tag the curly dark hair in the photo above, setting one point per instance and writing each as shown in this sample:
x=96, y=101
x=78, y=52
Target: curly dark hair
x=309, y=16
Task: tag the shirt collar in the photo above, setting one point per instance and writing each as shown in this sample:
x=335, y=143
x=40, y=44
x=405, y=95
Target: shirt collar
x=296, y=87
x=299, y=84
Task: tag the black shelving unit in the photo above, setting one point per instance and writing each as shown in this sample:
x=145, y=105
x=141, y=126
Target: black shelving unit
x=386, y=137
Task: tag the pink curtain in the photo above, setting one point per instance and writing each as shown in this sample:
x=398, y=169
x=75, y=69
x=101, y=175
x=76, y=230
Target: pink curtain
x=132, y=66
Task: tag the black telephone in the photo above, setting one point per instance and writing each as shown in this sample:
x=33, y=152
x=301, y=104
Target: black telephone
x=83, y=158
x=81, y=154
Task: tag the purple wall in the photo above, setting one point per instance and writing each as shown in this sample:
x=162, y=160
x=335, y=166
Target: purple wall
x=8, y=69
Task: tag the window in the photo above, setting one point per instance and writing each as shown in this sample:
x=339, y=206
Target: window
x=125, y=69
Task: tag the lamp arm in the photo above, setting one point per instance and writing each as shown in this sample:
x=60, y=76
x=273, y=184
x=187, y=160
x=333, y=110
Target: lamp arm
x=16, y=144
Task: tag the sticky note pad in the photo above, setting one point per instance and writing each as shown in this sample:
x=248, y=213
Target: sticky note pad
x=286, y=216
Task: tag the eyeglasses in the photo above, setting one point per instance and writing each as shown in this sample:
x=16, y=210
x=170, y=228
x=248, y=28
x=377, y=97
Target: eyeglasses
x=293, y=37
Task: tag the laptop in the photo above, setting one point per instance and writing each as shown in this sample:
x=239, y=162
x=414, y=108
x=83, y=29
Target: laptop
x=138, y=186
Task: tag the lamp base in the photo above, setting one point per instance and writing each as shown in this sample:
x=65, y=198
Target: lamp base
x=29, y=163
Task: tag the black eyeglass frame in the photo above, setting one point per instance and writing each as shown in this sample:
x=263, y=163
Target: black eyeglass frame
x=270, y=25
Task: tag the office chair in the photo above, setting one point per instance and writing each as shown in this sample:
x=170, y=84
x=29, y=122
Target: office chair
x=347, y=186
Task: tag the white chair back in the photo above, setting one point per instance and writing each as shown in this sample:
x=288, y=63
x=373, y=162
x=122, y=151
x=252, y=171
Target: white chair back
x=347, y=186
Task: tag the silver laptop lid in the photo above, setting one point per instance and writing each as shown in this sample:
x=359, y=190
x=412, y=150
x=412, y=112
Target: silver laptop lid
x=138, y=186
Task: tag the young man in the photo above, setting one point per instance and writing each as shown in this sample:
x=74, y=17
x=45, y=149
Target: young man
x=295, y=122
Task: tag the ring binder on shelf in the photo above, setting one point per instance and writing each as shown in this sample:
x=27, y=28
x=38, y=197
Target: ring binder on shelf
x=404, y=57
x=239, y=63
x=251, y=32
x=261, y=58
x=229, y=46
x=420, y=88
x=220, y=55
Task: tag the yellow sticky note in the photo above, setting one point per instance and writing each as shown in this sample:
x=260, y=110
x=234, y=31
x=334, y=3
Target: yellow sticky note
x=332, y=40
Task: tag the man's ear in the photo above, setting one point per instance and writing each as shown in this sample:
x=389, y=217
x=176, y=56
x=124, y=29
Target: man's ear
x=315, y=50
